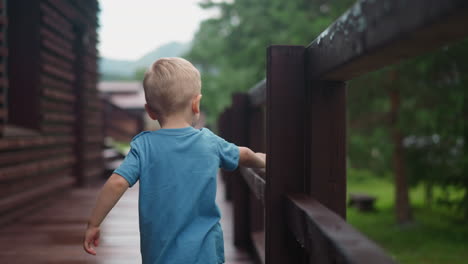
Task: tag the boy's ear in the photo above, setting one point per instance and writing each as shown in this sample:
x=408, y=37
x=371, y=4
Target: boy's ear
x=196, y=104
x=150, y=112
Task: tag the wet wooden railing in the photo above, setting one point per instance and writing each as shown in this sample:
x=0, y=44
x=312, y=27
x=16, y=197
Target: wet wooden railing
x=295, y=211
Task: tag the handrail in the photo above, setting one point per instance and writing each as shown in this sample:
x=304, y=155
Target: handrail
x=255, y=181
x=372, y=34
x=357, y=36
x=327, y=236
x=257, y=94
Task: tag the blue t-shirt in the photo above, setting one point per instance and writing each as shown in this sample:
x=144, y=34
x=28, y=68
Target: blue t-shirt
x=179, y=219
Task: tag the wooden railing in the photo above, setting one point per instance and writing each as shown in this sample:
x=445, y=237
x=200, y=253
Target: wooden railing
x=296, y=211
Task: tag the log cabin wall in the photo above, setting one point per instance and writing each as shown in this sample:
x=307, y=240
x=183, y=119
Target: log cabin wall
x=120, y=124
x=50, y=113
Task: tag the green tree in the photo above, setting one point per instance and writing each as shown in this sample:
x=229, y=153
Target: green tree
x=230, y=49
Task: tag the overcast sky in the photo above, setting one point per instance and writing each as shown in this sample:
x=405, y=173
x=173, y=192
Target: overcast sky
x=131, y=28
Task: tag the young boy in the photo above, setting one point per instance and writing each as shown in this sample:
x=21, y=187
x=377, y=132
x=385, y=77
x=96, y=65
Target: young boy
x=176, y=167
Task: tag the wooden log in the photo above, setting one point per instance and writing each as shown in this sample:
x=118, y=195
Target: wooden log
x=28, y=196
x=30, y=142
x=56, y=83
x=59, y=117
x=57, y=129
x=22, y=170
x=63, y=27
x=58, y=50
x=21, y=156
x=50, y=12
x=56, y=106
x=50, y=59
x=258, y=239
x=31, y=181
x=59, y=95
x=56, y=38
x=57, y=72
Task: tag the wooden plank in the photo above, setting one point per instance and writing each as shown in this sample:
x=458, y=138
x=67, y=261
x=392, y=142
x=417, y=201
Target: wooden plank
x=31, y=142
x=36, y=236
x=27, y=196
x=3, y=82
x=57, y=22
x=255, y=182
x=224, y=131
x=56, y=61
x=55, y=83
x=49, y=12
x=373, y=34
x=57, y=129
x=67, y=11
x=32, y=154
x=257, y=94
x=57, y=72
x=326, y=144
x=285, y=143
x=22, y=170
x=3, y=21
x=58, y=117
x=240, y=191
x=56, y=106
x=256, y=142
x=58, y=49
x=31, y=181
x=49, y=35
x=58, y=95
x=258, y=239
x=327, y=237
x=3, y=51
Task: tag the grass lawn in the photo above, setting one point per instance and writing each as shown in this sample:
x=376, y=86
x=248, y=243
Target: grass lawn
x=437, y=235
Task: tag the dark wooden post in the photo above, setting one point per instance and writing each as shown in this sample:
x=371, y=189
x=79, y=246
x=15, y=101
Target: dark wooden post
x=240, y=190
x=80, y=121
x=327, y=139
x=255, y=134
x=224, y=131
x=285, y=144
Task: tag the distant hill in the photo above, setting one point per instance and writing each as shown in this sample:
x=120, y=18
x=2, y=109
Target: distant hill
x=111, y=69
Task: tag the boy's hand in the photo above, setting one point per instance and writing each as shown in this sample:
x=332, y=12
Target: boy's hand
x=249, y=159
x=91, y=237
x=261, y=155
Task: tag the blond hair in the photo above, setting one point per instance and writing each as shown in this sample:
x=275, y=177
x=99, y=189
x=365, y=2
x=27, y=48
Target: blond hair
x=170, y=84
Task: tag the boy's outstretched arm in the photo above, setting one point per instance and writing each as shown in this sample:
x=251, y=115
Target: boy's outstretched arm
x=248, y=158
x=114, y=188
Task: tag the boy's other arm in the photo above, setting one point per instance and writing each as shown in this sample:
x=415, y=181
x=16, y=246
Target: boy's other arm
x=247, y=158
x=114, y=188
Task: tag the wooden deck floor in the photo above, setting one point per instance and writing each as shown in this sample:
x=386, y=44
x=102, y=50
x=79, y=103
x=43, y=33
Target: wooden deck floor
x=54, y=234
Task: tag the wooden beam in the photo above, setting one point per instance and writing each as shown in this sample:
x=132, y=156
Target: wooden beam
x=240, y=190
x=327, y=237
x=285, y=142
x=257, y=94
x=255, y=182
x=373, y=34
